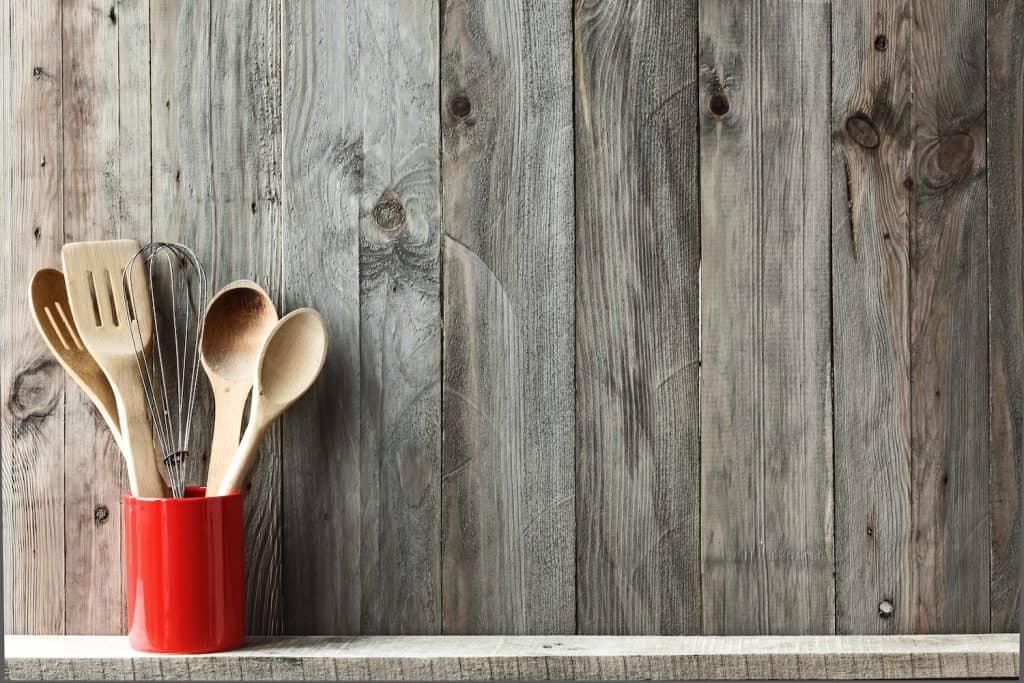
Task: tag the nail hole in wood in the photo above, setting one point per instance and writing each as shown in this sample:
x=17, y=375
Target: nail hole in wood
x=885, y=609
x=881, y=42
x=101, y=514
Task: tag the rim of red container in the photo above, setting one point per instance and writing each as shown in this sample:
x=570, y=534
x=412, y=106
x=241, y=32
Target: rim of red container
x=187, y=500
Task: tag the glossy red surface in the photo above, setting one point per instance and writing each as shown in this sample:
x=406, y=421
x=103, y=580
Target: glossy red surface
x=185, y=568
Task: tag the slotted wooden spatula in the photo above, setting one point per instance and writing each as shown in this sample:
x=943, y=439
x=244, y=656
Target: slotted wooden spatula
x=95, y=292
x=53, y=318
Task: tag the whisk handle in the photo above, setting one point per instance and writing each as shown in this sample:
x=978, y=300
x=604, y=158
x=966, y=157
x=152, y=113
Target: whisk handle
x=243, y=459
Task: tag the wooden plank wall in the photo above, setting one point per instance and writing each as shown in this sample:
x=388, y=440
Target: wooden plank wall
x=645, y=317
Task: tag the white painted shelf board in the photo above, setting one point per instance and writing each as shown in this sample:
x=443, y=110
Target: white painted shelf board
x=525, y=657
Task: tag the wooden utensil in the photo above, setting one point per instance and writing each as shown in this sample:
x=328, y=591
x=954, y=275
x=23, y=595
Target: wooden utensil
x=290, y=359
x=93, y=274
x=52, y=314
x=238, y=320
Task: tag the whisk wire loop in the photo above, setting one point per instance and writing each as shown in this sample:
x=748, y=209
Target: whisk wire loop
x=176, y=284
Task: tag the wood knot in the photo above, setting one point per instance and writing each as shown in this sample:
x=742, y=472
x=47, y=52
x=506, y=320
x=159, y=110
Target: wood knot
x=460, y=106
x=862, y=130
x=718, y=103
x=881, y=42
x=35, y=392
x=389, y=214
x=101, y=514
x=947, y=160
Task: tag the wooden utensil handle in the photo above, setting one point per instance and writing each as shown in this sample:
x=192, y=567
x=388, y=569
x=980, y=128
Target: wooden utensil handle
x=243, y=459
x=137, y=439
x=227, y=424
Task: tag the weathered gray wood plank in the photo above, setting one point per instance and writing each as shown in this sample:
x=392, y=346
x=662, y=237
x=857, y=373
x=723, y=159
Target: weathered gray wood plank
x=1005, y=150
x=766, y=476
x=508, y=427
x=637, y=364
x=106, y=196
x=322, y=167
x=217, y=187
x=400, y=317
x=871, y=159
x=949, y=319
x=31, y=380
x=528, y=657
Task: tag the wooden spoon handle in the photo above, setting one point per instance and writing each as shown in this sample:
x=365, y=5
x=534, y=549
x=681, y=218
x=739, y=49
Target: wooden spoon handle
x=137, y=439
x=244, y=457
x=227, y=424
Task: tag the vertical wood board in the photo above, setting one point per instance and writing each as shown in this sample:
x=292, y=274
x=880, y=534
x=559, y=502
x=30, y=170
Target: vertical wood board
x=322, y=166
x=871, y=159
x=400, y=318
x=216, y=188
x=637, y=363
x=508, y=421
x=106, y=196
x=1005, y=150
x=31, y=380
x=948, y=319
x=766, y=475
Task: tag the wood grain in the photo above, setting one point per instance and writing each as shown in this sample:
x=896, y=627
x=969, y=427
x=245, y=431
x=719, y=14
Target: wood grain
x=217, y=187
x=31, y=380
x=766, y=476
x=508, y=426
x=637, y=362
x=400, y=317
x=322, y=165
x=106, y=196
x=527, y=658
x=1005, y=152
x=871, y=159
x=948, y=320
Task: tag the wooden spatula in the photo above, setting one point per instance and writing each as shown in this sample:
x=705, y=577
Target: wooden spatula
x=52, y=315
x=95, y=292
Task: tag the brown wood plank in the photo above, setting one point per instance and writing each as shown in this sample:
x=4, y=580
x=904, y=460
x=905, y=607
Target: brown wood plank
x=948, y=319
x=637, y=362
x=322, y=166
x=106, y=196
x=871, y=158
x=217, y=187
x=766, y=476
x=400, y=317
x=31, y=380
x=1005, y=150
x=508, y=430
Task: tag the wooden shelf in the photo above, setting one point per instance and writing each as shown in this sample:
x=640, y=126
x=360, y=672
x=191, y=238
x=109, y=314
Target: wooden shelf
x=526, y=657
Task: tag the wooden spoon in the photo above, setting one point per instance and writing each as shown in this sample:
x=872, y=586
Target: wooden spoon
x=238, y=320
x=290, y=359
x=52, y=314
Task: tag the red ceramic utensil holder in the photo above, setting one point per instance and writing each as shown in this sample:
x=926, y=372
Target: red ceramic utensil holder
x=185, y=568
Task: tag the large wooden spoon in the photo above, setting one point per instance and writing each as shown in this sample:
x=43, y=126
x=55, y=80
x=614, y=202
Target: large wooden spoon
x=290, y=359
x=52, y=315
x=238, y=320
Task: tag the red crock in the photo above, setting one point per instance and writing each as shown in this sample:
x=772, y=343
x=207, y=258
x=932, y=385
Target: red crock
x=185, y=568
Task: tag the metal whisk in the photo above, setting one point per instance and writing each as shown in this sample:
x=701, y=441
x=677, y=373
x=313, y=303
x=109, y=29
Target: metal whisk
x=176, y=284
